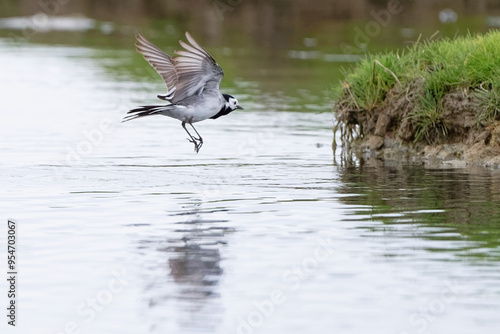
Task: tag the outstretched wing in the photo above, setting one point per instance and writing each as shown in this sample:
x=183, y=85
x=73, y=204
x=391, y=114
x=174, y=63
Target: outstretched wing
x=161, y=62
x=196, y=70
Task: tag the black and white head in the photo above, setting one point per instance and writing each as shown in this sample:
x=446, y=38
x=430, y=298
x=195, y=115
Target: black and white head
x=231, y=102
x=230, y=105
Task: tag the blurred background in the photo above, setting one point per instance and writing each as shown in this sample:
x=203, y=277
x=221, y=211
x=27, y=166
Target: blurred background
x=203, y=242
x=263, y=41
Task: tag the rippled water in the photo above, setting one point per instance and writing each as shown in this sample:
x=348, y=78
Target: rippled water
x=124, y=229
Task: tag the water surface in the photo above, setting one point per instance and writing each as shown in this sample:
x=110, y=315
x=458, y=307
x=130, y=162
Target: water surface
x=124, y=229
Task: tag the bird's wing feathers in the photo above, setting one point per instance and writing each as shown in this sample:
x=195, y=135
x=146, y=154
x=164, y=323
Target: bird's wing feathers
x=161, y=62
x=188, y=74
x=196, y=70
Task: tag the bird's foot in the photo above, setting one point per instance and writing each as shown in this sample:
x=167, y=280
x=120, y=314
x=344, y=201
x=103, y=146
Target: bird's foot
x=198, y=143
x=197, y=146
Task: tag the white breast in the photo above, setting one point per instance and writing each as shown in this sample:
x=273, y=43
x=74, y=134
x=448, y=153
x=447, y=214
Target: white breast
x=206, y=106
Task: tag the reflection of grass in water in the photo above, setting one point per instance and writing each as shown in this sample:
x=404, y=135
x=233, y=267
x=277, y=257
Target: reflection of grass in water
x=460, y=209
x=470, y=64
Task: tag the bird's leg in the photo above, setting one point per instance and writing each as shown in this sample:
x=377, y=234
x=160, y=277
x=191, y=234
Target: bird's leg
x=199, y=137
x=196, y=141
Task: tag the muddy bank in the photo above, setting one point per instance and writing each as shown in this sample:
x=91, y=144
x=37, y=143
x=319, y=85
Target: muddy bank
x=390, y=131
x=435, y=102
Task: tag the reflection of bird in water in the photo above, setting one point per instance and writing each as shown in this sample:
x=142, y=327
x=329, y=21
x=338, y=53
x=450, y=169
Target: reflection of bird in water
x=195, y=264
x=184, y=271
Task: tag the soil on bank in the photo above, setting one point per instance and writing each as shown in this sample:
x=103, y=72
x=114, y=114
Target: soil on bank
x=434, y=103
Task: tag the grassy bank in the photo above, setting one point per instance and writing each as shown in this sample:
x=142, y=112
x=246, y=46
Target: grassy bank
x=436, y=92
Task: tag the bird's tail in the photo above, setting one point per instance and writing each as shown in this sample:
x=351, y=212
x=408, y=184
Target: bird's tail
x=145, y=111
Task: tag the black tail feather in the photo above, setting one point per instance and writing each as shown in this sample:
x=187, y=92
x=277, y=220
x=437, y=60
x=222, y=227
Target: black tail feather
x=143, y=111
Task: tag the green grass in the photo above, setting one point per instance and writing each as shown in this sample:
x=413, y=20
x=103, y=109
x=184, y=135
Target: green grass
x=470, y=64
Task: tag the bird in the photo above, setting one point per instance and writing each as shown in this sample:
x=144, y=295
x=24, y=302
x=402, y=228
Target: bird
x=192, y=78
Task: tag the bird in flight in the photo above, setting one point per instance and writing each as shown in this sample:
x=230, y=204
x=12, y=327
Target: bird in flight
x=192, y=78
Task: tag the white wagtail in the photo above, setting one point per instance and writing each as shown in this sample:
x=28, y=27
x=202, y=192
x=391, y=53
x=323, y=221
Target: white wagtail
x=193, y=79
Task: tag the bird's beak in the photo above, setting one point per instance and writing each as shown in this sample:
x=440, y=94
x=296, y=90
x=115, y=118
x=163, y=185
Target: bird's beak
x=239, y=107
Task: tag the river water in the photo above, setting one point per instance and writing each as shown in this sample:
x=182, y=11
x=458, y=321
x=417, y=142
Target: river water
x=122, y=228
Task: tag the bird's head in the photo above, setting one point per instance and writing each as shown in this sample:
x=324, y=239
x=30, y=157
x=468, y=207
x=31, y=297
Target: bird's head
x=231, y=102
